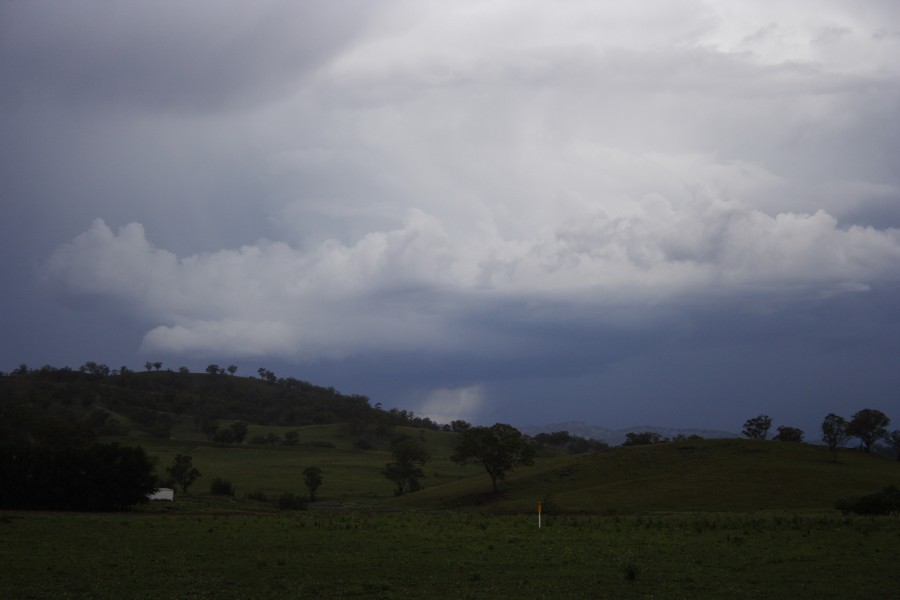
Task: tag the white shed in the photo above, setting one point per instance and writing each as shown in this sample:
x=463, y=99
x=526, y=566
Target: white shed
x=163, y=494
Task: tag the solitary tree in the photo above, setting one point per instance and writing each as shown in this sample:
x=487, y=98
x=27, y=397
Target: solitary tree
x=788, y=434
x=232, y=369
x=406, y=469
x=183, y=472
x=757, y=428
x=312, y=477
x=834, y=433
x=869, y=425
x=498, y=448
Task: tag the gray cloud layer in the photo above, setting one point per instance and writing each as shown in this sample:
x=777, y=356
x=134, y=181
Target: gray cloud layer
x=573, y=190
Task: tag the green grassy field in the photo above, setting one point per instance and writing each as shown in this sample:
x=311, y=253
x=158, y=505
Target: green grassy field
x=702, y=475
x=351, y=476
x=698, y=475
x=694, y=519
x=446, y=555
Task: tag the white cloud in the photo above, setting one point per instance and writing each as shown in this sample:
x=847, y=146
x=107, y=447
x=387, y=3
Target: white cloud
x=407, y=288
x=439, y=159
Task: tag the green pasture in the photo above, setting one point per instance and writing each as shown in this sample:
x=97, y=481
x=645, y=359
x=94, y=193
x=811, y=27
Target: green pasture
x=697, y=475
x=350, y=475
x=318, y=554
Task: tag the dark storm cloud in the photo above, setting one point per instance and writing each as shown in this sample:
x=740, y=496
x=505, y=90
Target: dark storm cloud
x=196, y=57
x=679, y=208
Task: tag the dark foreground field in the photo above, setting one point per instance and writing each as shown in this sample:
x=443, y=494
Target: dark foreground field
x=447, y=555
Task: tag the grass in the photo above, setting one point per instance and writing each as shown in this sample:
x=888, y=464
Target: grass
x=699, y=475
x=446, y=555
x=703, y=475
x=350, y=476
x=698, y=519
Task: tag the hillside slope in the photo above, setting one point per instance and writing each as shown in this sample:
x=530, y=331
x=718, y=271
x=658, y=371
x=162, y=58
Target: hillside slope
x=702, y=475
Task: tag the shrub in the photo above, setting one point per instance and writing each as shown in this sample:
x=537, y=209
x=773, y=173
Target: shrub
x=631, y=571
x=289, y=501
x=221, y=487
x=885, y=502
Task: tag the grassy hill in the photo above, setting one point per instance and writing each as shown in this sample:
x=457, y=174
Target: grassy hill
x=350, y=442
x=352, y=476
x=697, y=476
x=702, y=475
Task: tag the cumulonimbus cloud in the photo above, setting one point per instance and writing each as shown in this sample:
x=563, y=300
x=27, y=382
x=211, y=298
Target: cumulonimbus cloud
x=388, y=289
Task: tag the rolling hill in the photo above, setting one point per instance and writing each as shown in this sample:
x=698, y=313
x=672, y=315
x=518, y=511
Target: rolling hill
x=349, y=440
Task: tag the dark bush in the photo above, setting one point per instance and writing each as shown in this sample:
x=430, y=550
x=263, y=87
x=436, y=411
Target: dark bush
x=221, y=487
x=258, y=496
x=289, y=501
x=363, y=444
x=885, y=502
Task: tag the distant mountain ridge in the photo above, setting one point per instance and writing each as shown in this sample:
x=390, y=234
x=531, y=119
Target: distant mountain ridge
x=615, y=437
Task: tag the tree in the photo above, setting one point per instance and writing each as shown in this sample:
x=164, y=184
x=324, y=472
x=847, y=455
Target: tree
x=788, y=434
x=312, y=477
x=757, y=428
x=148, y=365
x=93, y=368
x=157, y=365
x=459, y=426
x=233, y=434
x=239, y=431
x=834, y=433
x=267, y=375
x=869, y=425
x=894, y=441
x=213, y=369
x=209, y=427
x=232, y=369
x=409, y=456
x=499, y=448
x=580, y=445
x=643, y=438
x=183, y=472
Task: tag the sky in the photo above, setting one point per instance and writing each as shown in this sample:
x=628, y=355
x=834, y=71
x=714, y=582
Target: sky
x=679, y=213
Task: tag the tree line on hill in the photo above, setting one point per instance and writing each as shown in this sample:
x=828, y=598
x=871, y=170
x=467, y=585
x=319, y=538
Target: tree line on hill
x=868, y=425
x=148, y=400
